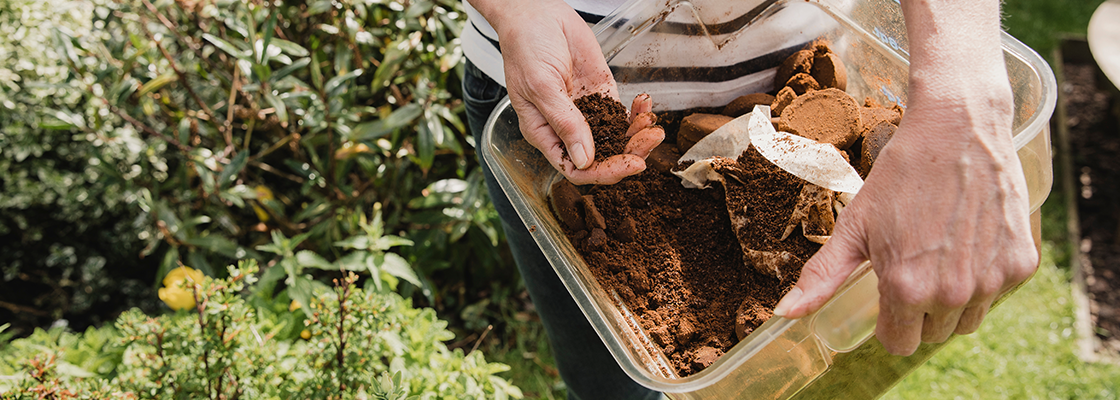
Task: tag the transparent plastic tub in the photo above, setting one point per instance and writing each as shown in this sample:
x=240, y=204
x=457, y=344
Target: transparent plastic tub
x=824, y=355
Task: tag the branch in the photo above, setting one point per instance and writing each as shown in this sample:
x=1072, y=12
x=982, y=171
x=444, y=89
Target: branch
x=16, y=308
x=183, y=79
x=145, y=128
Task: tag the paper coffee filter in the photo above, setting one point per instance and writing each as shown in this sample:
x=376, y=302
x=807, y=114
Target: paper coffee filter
x=818, y=163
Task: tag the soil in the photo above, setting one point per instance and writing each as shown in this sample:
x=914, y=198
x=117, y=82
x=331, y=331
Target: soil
x=1094, y=134
x=695, y=280
x=608, y=120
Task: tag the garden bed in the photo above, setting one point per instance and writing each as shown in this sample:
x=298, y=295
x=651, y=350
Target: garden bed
x=1088, y=130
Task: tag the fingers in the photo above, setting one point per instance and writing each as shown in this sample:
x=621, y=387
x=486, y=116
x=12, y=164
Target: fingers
x=936, y=328
x=642, y=104
x=823, y=274
x=568, y=123
x=643, y=142
x=540, y=134
x=608, y=171
x=640, y=121
x=899, y=327
x=971, y=318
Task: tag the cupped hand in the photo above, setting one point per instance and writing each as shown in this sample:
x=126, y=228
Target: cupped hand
x=551, y=57
x=944, y=219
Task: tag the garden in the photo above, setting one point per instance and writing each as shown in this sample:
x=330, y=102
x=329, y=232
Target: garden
x=280, y=199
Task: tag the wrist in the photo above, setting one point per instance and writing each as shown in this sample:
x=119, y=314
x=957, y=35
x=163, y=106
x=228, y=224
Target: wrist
x=504, y=14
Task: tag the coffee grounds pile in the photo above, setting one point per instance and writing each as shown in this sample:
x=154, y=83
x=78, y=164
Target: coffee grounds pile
x=673, y=258
x=608, y=121
x=768, y=194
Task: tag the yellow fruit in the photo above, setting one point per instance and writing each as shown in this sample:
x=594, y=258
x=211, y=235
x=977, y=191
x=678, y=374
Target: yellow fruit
x=294, y=306
x=178, y=292
x=305, y=334
x=184, y=273
x=177, y=298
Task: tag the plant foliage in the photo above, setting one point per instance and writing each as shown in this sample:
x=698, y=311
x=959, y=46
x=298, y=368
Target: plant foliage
x=359, y=344
x=205, y=131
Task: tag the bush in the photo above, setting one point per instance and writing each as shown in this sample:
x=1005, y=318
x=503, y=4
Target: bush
x=195, y=132
x=356, y=344
x=68, y=236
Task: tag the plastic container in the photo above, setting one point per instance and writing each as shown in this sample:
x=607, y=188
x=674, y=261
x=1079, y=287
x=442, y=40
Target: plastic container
x=782, y=358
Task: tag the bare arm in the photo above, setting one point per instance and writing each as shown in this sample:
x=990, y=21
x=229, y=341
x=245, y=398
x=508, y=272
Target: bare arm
x=551, y=58
x=943, y=217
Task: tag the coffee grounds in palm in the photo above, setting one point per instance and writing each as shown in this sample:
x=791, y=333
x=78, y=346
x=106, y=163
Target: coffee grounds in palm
x=608, y=120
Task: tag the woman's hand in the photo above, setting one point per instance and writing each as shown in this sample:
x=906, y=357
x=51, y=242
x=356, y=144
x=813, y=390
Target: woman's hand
x=551, y=58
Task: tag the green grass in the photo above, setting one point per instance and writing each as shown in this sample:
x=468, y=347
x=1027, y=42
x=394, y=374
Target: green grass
x=1024, y=350
x=527, y=352
x=1037, y=22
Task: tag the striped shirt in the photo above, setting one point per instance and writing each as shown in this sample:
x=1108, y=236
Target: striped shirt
x=693, y=57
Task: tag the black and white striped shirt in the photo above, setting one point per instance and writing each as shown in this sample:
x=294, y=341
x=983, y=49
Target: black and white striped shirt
x=700, y=54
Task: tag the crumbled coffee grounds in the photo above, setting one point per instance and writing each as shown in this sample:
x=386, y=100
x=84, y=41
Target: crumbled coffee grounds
x=608, y=120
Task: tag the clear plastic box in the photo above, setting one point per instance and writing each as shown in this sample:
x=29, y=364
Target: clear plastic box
x=824, y=355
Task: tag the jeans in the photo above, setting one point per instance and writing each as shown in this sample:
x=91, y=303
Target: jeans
x=585, y=364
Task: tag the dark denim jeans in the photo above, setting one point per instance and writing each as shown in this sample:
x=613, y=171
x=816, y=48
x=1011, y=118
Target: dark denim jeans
x=588, y=369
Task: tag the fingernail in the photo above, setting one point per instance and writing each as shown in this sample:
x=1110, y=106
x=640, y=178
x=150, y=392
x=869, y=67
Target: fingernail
x=579, y=156
x=788, y=302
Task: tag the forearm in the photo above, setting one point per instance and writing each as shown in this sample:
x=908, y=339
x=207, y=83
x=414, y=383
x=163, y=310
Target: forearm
x=502, y=14
x=955, y=54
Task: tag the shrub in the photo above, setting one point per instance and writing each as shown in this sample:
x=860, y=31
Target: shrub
x=193, y=132
x=68, y=236
x=360, y=344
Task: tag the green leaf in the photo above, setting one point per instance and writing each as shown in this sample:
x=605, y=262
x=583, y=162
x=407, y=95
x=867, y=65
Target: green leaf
x=302, y=291
x=375, y=129
x=225, y=46
x=231, y=170
x=355, y=261
x=459, y=229
x=426, y=146
x=389, y=65
x=215, y=243
x=316, y=72
x=270, y=277
x=308, y=258
x=290, y=48
x=276, y=103
x=157, y=83
x=388, y=241
x=450, y=116
x=418, y=8
x=334, y=85
x=263, y=72
x=396, y=266
x=373, y=264
x=67, y=369
x=289, y=69
x=271, y=248
x=269, y=26
x=319, y=7
x=124, y=90
x=354, y=242
x=435, y=126
x=313, y=210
